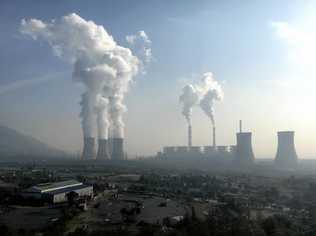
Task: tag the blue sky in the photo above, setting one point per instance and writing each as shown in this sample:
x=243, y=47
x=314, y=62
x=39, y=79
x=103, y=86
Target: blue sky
x=236, y=40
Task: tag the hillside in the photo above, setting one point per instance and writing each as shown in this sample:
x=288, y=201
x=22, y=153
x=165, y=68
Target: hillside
x=15, y=144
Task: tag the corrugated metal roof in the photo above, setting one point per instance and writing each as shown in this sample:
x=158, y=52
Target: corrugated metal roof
x=68, y=189
x=48, y=187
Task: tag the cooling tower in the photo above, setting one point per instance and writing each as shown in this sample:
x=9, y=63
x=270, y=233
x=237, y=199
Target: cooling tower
x=88, y=148
x=286, y=154
x=103, y=150
x=244, y=154
x=117, y=149
x=189, y=136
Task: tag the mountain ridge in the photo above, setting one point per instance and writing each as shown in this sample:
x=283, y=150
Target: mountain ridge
x=14, y=143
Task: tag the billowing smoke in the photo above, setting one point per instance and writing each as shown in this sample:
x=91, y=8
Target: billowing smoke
x=98, y=62
x=211, y=91
x=102, y=116
x=203, y=94
x=142, y=45
x=189, y=98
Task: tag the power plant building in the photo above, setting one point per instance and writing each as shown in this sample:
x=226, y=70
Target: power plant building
x=243, y=153
x=221, y=152
x=286, y=156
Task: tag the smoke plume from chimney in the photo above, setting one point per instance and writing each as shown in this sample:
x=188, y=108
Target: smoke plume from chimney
x=211, y=91
x=204, y=94
x=189, y=98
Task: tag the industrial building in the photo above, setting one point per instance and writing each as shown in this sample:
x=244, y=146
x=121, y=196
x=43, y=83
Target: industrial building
x=222, y=153
x=219, y=152
x=244, y=154
x=286, y=156
x=241, y=154
x=57, y=192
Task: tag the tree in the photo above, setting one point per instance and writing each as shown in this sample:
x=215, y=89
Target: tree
x=72, y=197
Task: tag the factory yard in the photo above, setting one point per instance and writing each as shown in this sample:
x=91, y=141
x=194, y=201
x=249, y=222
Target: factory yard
x=107, y=212
x=30, y=218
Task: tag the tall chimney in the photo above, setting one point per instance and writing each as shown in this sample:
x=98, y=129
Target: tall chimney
x=244, y=154
x=190, y=136
x=286, y=155
x=103, y=150
x=214, y=137
x=88, y=148
x=240, y=126
x=117, y=149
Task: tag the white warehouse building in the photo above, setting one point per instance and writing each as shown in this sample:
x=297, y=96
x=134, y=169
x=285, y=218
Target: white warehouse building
x=57, y=192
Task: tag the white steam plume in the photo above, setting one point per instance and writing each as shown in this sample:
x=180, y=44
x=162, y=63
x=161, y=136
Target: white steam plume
x=204, y=94
x=211, y=91
x=102, y=116
x=189, y=98
x=141, y=44
x=98, y=62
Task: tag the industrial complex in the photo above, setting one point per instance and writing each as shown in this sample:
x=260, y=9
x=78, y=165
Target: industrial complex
x=240, y=154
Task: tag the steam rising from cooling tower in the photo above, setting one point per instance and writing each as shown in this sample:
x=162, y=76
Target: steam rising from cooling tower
x=104, y=67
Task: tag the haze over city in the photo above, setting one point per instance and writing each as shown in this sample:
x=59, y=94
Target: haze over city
x=261, y=53
x=157, y=118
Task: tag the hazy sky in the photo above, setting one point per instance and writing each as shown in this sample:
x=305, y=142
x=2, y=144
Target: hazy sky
x=262, y=52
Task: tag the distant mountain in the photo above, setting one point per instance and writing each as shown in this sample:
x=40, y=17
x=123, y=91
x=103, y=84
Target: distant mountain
x=16, y=145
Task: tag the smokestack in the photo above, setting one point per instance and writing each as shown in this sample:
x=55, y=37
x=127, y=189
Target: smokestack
x=103, y=150
x=214, y=137
x=240, y=126
x=244, y=153
x=190, y=136
x=286, y=155
x=88, y=148
x=117, y=149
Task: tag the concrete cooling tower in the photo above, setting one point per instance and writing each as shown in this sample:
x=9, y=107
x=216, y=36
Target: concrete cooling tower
x=88, y=148
x=103, y=150
x=244, y=154
x=286, y=154
x=117, y=149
